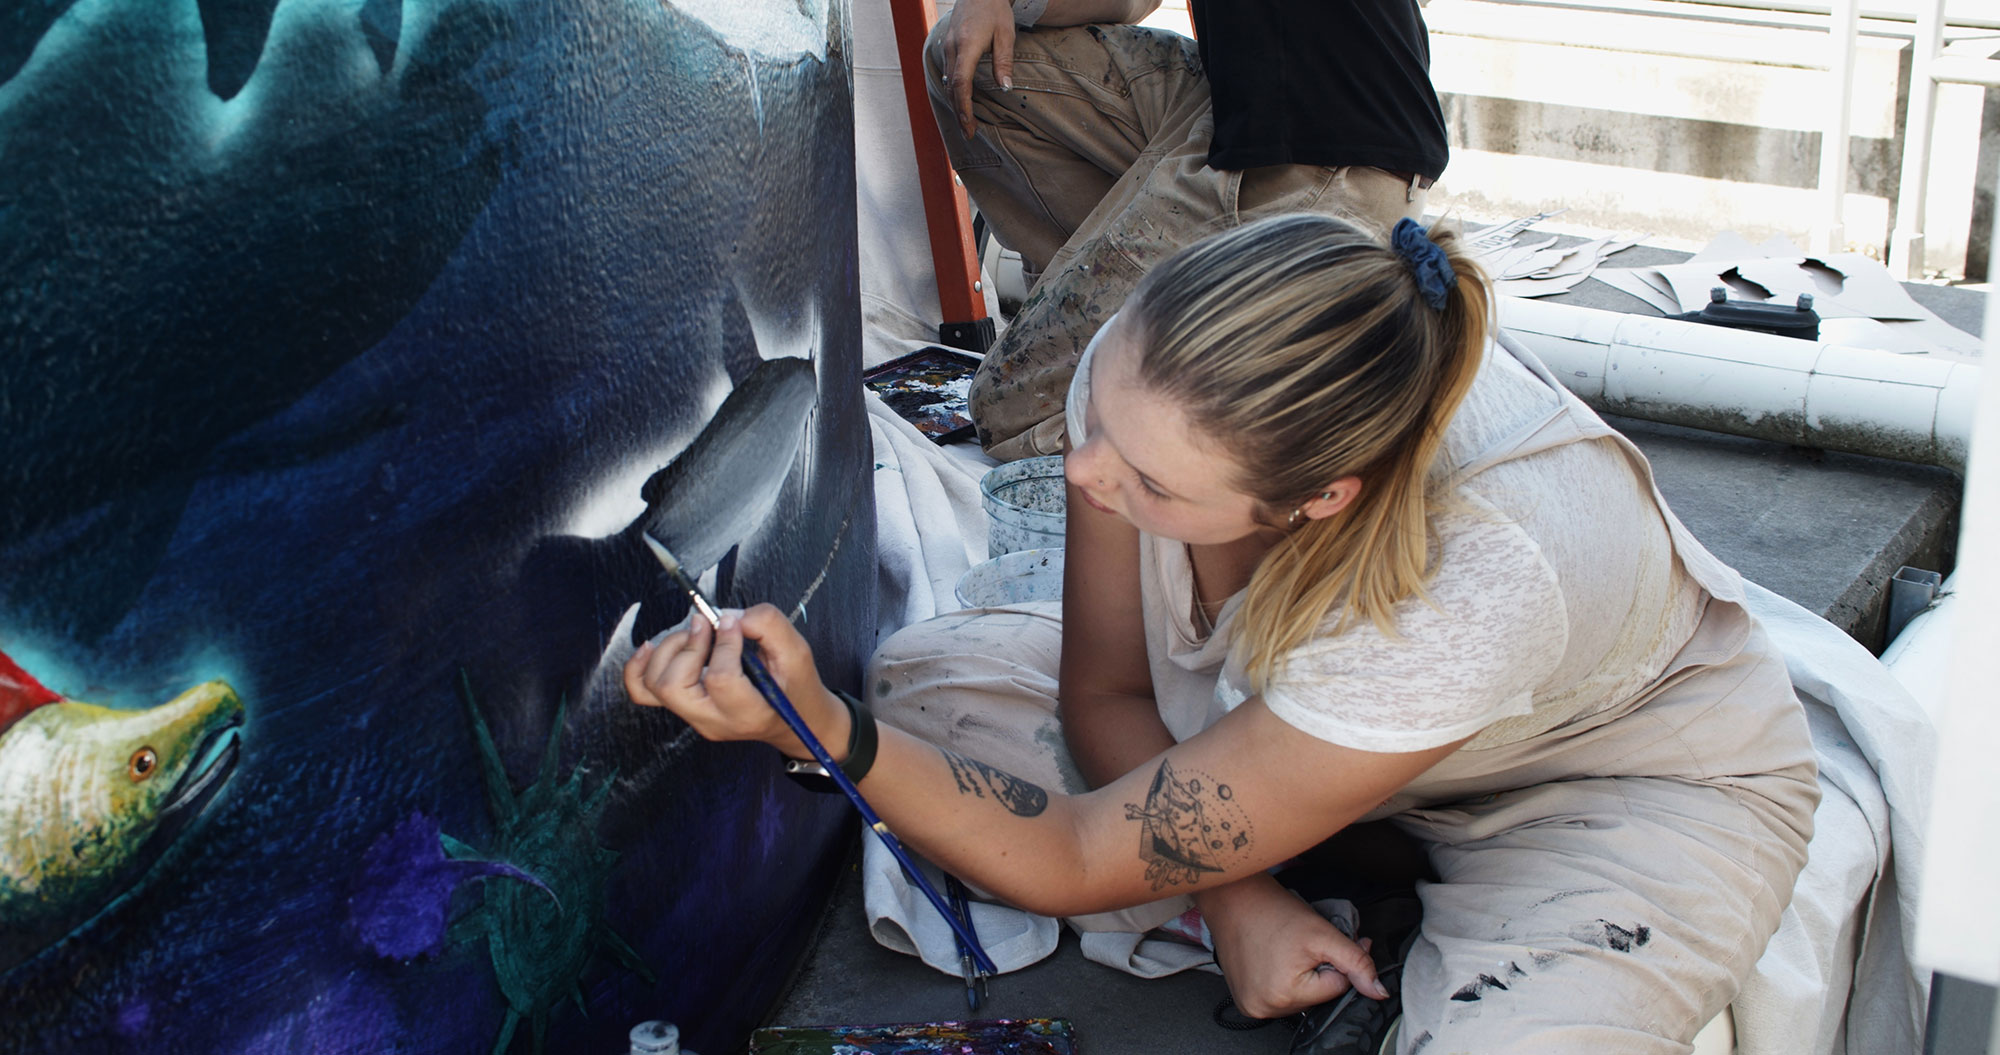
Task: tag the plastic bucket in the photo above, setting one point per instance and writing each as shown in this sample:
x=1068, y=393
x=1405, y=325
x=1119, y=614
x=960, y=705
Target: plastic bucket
x=1011, y=578
x=1024, y=505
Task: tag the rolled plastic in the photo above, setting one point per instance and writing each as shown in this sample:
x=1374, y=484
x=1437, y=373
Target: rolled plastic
x=1910, y=408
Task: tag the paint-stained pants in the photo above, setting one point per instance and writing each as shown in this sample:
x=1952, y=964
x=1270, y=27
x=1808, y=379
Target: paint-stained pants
x=1604, y=887
x=1095, y=168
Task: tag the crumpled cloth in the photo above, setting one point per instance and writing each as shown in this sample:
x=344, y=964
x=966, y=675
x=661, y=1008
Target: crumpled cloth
x=929, y=524
x=1840, y=974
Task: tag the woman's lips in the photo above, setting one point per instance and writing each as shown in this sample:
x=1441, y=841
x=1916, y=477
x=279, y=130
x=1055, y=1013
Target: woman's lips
x=1094, y=503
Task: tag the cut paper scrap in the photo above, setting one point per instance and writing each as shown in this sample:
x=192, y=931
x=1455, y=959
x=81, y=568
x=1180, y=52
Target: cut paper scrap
x=1859, y=302
x=1732, y=246
x=1542, y=269
x=1843, y=285
x=1643, y=283
x=1502, y=235
x=1022, y=1036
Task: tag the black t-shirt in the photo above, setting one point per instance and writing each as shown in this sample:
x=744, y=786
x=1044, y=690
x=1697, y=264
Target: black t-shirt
x=1320, y=82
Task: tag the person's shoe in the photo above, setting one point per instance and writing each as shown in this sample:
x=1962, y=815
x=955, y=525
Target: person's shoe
x=1354, y=1024
x=1351, y=1025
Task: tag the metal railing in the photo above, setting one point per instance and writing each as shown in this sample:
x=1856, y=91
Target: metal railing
x=1929, y=67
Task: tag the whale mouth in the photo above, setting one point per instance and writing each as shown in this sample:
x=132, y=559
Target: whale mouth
x=214, y=761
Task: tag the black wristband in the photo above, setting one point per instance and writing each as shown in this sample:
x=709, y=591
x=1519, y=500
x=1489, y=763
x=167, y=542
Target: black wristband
x=862, y=738
x=862, y=741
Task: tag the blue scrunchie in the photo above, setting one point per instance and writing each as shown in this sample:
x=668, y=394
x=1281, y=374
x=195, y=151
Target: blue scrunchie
x=1425, y=259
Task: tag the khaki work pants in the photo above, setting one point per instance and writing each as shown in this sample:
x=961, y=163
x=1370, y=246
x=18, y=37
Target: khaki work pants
x=1605, y=886
x=1095, y=168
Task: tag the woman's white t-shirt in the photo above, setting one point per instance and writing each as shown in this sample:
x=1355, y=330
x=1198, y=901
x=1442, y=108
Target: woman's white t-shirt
x=1556, y=594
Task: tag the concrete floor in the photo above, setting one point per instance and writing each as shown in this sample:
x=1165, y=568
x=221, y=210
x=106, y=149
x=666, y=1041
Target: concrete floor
x=1825, y=530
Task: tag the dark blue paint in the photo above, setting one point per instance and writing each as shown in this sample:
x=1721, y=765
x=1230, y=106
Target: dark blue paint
x=319, y=420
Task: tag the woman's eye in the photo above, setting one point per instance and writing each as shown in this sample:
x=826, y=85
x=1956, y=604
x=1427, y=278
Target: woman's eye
x=1147, y=485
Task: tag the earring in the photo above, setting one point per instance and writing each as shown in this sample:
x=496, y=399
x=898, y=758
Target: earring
x=1293, y=520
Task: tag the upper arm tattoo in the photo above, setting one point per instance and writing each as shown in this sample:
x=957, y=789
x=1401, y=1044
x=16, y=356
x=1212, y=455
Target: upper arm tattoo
x=978, y=779
x=1190, y=826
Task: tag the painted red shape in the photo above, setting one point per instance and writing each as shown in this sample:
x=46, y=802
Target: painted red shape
x=20, y=693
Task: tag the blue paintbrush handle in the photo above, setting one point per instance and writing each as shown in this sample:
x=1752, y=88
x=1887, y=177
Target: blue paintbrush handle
x=761, y=677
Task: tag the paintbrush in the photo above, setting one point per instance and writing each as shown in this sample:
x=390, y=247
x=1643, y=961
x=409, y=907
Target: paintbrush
x=760, y=676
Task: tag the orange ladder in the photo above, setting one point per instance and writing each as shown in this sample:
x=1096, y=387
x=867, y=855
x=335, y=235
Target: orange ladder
x=961, y=297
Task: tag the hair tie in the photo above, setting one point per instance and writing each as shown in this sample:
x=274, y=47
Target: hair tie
x=1426, y=260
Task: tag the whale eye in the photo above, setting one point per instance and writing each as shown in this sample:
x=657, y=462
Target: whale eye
x=143, y=762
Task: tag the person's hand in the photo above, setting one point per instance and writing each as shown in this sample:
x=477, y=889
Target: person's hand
x=697, y=673
x=976, y=28
x=1278, y=955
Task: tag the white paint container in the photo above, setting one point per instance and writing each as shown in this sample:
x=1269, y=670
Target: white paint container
x=657, y=1038
x=1024, y=505
x=1011, y=578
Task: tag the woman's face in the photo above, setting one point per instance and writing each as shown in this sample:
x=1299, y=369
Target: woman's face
x=1144, y=461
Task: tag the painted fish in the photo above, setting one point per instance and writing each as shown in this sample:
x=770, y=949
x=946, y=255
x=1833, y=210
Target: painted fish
x=724, y=486
x=91, y=796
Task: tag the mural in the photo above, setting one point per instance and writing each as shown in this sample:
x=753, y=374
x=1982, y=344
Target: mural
x=346, y=349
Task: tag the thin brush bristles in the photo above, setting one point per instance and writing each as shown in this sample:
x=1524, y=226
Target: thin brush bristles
x=673, y=566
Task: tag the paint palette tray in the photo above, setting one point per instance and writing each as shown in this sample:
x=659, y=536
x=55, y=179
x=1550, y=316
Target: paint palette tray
x=928, y=389
x=1001, y=1036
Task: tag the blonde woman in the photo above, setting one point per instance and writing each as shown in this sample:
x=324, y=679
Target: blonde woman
x=1335, y=556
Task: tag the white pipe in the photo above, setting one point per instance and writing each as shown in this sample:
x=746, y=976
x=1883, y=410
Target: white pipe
x=1911, y=408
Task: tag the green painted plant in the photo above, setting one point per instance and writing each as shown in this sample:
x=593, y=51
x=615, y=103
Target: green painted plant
x=542, y=938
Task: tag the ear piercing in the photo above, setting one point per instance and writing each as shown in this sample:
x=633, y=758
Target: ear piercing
x=1293, y=520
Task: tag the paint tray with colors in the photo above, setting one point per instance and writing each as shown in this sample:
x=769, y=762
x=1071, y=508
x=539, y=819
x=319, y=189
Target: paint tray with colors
x=928, y=389
x=1005, y=1036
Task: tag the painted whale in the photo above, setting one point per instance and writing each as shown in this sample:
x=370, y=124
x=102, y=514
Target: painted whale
x=90, y=797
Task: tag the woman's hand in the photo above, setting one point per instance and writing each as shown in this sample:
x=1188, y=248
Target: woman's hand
x=1278, y=955
x=977, y=27
x=697, y=673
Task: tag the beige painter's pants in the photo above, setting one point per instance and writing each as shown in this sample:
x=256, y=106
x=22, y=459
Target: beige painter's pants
x=1095, y=168
x=1605, y=887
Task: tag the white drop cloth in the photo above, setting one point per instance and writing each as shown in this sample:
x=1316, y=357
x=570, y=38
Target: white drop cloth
x=929, y=525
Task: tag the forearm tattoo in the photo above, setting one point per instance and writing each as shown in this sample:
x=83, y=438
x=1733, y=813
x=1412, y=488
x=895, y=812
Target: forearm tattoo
x=980, y=780
x=1190, y=827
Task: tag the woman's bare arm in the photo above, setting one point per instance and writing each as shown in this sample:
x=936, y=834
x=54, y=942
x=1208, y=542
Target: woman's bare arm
x=1110, y=718
x=1248, y=793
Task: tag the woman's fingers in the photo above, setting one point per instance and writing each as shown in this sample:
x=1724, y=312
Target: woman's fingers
x=643, y=668
x=698, y=674
x=961, y=92
x=635, y=677
x=728, y=653
x=1355, y=966
x=1003, y=55
x=680, y=672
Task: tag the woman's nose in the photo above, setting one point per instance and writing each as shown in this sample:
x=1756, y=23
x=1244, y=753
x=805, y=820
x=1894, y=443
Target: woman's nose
x=1080, y=465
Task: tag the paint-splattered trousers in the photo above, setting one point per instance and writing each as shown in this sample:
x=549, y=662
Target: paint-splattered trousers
x=1605, y=886
x=1095, y=168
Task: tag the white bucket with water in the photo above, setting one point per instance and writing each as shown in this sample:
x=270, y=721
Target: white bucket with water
x=1024, y=505
x=1011, y=578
